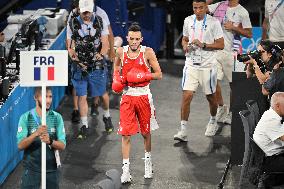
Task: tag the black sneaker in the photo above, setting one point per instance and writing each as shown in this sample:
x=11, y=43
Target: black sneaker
x=94, y=110
x=83, y=132
x=108, y=124
x=75, y=117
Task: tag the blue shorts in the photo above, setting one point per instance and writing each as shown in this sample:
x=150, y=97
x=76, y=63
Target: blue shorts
x=95, y=83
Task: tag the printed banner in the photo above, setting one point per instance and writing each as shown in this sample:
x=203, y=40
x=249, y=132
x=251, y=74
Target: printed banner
x=48, y=68
x=251, y=44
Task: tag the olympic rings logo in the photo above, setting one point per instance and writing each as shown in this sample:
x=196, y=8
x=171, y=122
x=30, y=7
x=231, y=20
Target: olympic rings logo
x=249, y=44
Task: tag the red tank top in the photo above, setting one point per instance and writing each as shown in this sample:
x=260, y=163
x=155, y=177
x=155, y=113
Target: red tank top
x=138, y=62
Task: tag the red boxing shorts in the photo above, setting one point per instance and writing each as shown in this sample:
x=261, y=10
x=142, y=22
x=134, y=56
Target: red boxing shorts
x=136, y=110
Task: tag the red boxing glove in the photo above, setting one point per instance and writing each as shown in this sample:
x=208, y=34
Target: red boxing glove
x=137, y=76
x=117, y=85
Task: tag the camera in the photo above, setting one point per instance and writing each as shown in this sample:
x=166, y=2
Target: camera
x=86, y=49
x=245, y=57
x=276, y=52
x=192, y=46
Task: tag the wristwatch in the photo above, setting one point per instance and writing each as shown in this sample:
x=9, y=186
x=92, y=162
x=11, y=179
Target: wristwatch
x=204, y=45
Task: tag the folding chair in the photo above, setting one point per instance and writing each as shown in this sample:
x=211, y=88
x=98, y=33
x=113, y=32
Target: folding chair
x=253, y=108
x=256, y=160
x=248, y=126
x=256, y=174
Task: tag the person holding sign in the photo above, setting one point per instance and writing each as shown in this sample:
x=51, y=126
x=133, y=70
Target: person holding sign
x=29, y=137
x=202, y=36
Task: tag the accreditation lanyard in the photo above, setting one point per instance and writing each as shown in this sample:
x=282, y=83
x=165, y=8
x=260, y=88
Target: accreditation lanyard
x=221, y=11
x=88, y=28
x=274, y=11
x=37, y=120
x=202, y=29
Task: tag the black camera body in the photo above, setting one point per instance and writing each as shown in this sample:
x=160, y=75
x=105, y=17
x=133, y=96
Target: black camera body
x=275, y=51
x=245, y=57
x=85, y=48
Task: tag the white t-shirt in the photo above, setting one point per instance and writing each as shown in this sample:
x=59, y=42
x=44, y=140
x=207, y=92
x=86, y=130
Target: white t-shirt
x=267, y=133
x=276, y=24
x=237, y=15
x=100, y=12
x=206, y=31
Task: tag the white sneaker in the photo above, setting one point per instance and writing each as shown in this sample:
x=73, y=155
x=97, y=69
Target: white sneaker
x=180, y=136
x=222, y=111
x=125, y=177
x=148, y=168
x=211, y=129
x=228, y=118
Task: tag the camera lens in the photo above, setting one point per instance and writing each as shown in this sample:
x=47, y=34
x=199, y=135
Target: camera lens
x=243, y=57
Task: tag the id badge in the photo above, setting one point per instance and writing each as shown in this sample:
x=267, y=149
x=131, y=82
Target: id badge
x=196, y=57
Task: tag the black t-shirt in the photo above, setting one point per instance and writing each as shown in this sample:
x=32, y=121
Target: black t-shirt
x=276, y=82
x=265, y=67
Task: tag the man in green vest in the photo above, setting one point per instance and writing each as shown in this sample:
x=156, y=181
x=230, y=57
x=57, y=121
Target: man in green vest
x=29, y=137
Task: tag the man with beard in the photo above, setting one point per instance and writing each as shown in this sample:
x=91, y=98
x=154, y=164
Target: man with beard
x=105, y=98
x=30, y=135
x=132, y=72
x=89, y=45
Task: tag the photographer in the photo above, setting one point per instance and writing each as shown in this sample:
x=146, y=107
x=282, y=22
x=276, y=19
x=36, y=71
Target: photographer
x=261, y=62
x=88, y=47
x=275, y=82
x=106, y=23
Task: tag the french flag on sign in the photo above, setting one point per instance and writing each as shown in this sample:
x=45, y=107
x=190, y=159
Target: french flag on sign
x=50, y=73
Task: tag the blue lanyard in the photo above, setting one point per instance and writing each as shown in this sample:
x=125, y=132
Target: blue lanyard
x=81, y=22
x=202, y=29
x=35, y=117
x=277, y=7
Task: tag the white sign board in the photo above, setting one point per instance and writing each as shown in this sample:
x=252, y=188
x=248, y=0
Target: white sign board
x=48, y=68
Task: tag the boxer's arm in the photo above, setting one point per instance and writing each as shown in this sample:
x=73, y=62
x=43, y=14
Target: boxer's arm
x=117, y=84
x=118, y=59
x=153, y=62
